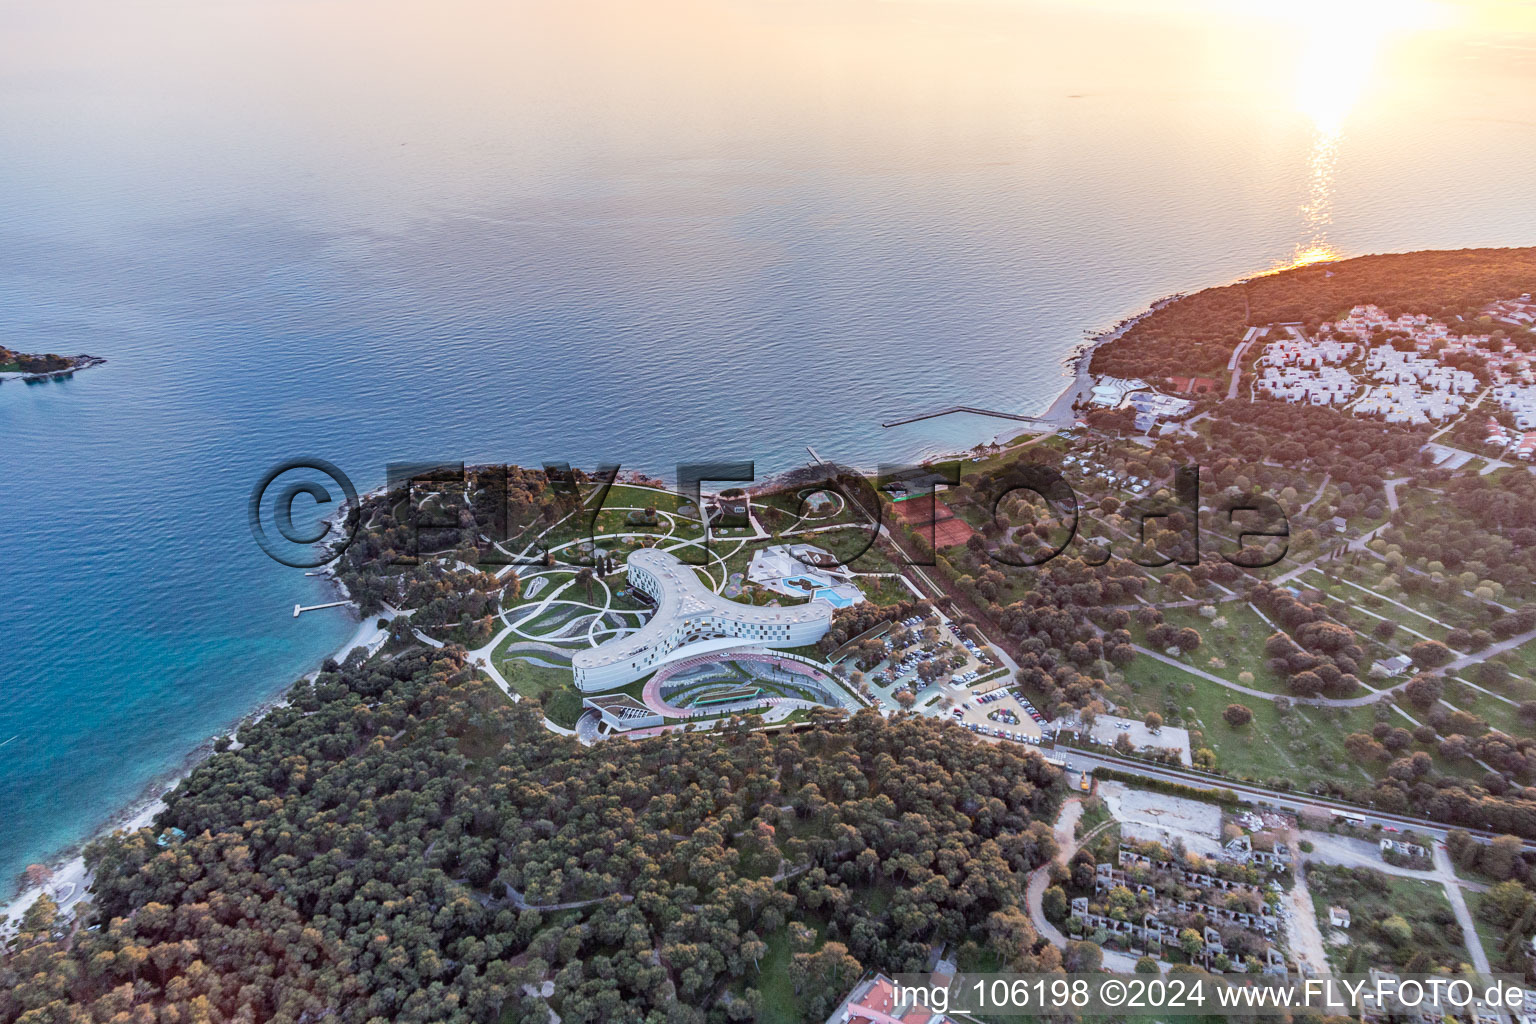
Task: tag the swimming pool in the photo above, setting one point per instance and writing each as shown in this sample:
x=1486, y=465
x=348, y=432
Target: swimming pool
x=805, y=584
x=832, y=597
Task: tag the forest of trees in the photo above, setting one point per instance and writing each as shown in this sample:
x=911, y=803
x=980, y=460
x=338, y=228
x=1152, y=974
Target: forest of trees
x=454, y=511
x=1197, y=333
x=1485, y=525
x=399, y=843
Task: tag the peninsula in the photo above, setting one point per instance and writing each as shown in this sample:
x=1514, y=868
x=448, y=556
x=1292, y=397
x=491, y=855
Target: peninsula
x=613, y=752
x=34, y=368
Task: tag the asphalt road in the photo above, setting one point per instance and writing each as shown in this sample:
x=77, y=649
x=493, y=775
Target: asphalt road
x=1080, y=760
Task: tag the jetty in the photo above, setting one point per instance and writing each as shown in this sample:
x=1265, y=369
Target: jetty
x=299, y=608
x=970, y=409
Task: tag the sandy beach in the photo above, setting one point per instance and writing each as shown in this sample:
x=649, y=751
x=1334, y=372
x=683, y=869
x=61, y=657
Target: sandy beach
x=70, y=880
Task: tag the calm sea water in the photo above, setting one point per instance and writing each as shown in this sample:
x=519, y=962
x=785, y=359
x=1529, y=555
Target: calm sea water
x=646, y=233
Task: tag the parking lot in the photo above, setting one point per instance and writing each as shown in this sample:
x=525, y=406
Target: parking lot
x=886, y=678
x=1001, y=713
x=1108, y=728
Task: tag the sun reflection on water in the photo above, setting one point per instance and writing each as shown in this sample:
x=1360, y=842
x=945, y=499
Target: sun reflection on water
x=1333, y=70
x=1317, y=211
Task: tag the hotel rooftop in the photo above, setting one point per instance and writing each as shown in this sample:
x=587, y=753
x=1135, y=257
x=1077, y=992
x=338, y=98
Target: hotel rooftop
x=690, y=619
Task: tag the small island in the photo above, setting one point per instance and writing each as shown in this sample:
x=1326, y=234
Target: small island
x=35, y=369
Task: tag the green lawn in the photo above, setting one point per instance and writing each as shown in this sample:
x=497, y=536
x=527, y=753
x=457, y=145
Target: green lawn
x=1372, y=897
x=1304, y=746
x=553, y=581
x=551, y=619
x=532, y=680
x=630, y=496
x=1237, y=647
x=609, y=520
x=554, y=686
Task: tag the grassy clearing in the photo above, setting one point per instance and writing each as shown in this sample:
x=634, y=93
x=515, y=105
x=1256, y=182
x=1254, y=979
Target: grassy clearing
x=1491, y=938
x=1495, y=712
x=1373, y=607
x=781, y=1004
x=1299, y=748
x=1461, y=611
x=1521, y=661
x=530, y=680
x=1095, y=813
x=883, y=590
x=1394, y=919
x=1236, y=647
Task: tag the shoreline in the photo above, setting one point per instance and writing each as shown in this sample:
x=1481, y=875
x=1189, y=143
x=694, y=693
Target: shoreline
x=80, y=362
x=1081, y=359
x=1060, y=413
x=70, y=880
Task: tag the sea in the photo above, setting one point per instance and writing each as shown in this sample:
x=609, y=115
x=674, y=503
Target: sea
x=599, y=231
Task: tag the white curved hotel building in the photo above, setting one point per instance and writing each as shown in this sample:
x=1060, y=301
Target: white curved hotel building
x=690, y=619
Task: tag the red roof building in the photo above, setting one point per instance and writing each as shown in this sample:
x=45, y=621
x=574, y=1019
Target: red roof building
x=874, y=1002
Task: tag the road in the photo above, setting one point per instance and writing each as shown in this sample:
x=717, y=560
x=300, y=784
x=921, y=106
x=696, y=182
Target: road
x=1079, y=760
x=1235, y=364
x=1040, y=880
x=1358, y=853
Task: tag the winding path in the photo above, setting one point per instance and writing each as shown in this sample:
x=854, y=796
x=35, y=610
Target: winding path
x=1067, y=844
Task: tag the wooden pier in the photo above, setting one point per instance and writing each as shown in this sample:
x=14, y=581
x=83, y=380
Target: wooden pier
x=965, y=408
x=299, y=608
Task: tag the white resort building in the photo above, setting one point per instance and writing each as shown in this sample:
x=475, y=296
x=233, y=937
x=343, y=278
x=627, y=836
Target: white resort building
x=1520, y=400
x=690, y=619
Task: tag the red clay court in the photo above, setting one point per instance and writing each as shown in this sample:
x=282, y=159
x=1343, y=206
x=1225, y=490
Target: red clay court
x=926, y=511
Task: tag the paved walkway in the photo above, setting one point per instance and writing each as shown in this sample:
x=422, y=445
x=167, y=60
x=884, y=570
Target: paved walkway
x=1327, y=479
x=1235, y=364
